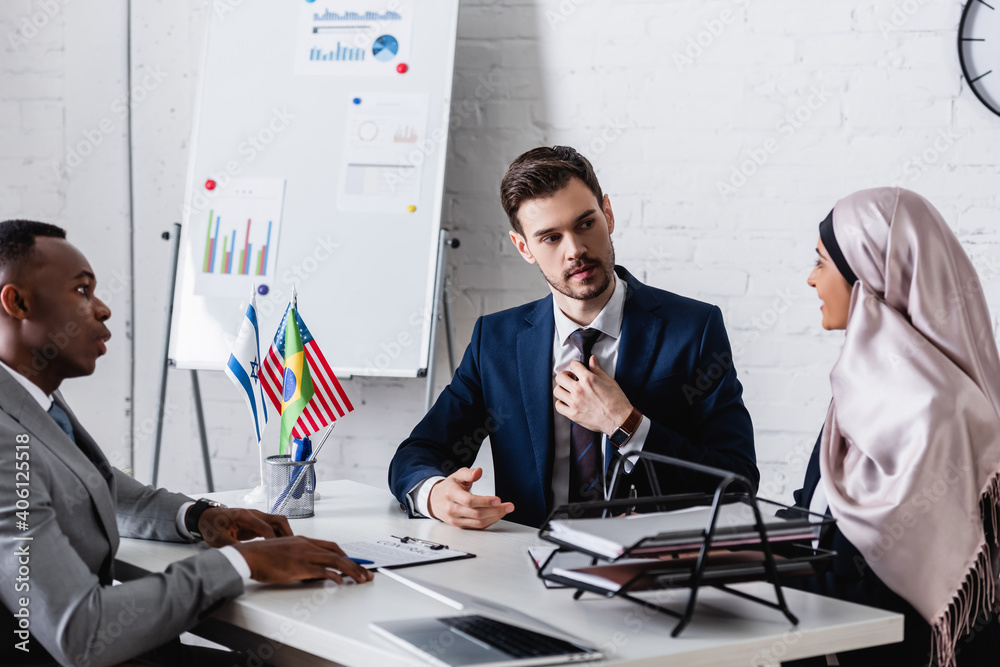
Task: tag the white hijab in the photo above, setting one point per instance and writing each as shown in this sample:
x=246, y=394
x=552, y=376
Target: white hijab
x=910, y=455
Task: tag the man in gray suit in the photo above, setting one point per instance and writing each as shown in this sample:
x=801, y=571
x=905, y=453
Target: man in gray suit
x=63, y=507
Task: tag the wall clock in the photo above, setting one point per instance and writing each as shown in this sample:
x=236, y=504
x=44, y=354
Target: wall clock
x=979, y=50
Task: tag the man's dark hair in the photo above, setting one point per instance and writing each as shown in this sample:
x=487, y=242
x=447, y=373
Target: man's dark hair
x=17, y=238
x=541, y=172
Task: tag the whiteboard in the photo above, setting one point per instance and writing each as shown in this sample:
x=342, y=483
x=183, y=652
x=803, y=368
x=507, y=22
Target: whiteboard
x=317, y=162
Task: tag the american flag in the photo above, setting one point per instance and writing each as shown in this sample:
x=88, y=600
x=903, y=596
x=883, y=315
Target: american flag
x=329, y=401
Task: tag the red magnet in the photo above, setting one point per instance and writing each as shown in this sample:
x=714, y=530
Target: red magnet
x=402, y=68
x=210, y=184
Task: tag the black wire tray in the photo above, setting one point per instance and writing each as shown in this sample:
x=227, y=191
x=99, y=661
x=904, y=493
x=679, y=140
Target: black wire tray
x=694, y=550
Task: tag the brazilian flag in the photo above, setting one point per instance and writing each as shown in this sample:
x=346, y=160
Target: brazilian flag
x=297, y=386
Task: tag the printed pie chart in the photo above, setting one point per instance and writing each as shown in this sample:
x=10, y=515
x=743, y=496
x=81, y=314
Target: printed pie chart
x=368, y=131
x=385, y=48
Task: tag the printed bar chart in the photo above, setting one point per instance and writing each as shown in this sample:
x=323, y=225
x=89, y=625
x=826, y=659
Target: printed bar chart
x=228, y=250
x=239, y=242
x=342, y=53
x=356, y=16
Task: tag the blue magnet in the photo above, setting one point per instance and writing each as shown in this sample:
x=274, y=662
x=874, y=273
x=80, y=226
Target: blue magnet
x=357, y=100
x=263, y=289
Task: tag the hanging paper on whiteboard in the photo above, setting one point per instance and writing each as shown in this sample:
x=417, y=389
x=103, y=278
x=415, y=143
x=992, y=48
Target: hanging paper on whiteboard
x=363, y=37
x=234, y=238
x=385, y=149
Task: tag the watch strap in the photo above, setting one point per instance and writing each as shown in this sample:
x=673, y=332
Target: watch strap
x=624, y=432
x=194, y=513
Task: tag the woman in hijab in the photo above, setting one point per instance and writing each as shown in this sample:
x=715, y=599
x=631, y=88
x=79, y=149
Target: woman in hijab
x=908, y=461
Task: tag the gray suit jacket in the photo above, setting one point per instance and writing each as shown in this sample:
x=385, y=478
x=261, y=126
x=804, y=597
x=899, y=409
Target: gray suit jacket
x=74, y=519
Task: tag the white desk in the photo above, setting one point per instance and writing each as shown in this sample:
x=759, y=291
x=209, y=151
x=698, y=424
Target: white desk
x=308, y=620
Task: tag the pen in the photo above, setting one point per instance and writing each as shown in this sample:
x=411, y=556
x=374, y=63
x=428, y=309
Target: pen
x=362, y=561
x=434, y=546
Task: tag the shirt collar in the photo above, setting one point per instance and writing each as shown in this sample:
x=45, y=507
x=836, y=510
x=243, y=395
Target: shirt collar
x=608, y=321
x=36, y=392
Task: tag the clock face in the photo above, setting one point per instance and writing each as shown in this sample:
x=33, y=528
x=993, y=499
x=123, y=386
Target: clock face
x=979, y=50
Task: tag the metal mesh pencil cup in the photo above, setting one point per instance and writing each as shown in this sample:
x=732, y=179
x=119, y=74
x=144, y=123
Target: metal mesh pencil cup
x=290, y=486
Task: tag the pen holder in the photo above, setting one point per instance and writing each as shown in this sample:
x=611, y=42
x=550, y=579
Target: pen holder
x=290, y=486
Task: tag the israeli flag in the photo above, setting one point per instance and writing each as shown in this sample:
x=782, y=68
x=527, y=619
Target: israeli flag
x=243, y=367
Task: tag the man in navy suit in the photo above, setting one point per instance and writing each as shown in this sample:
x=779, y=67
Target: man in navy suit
x=605, y=366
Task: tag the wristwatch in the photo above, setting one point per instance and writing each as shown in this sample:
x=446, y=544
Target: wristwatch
x=194, y=513
x=624, y=432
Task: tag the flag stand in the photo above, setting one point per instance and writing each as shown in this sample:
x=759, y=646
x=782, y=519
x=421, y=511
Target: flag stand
x=440, y=310
x=161, y=399
x=259, y=493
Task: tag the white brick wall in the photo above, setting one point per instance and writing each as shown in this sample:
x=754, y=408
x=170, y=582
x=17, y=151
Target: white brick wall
x=670, y=98
x=60, y=65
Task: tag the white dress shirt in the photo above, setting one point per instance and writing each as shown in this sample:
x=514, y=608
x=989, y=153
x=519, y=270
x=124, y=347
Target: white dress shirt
x=564, y=353
x=45, y=402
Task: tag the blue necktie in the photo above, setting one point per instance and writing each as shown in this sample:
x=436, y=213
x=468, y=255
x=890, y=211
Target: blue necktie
x=586, y=454
x=61, y=419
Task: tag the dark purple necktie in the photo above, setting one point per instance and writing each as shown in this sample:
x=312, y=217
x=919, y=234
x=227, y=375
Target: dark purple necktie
x=585, y=445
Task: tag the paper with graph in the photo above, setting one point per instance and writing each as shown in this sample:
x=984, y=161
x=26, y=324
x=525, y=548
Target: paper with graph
x=385, y=150
x=354, y=37
x=235, y=238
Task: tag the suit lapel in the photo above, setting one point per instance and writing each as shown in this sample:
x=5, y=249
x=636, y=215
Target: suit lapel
x=105, y=502
x=534, y=344
x=642, y=334
x=13, y=397
x=16, y=402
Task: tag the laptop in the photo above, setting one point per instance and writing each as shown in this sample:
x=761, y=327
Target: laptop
x=485, y=634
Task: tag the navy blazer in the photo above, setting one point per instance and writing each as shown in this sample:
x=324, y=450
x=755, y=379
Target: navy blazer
x=674, y=364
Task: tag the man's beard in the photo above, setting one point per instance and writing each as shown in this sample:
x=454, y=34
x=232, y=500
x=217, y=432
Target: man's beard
x=594, y=286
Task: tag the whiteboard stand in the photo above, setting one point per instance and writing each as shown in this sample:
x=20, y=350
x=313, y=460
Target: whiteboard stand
x=161, y=399
x=441, y=309
x=449, y=334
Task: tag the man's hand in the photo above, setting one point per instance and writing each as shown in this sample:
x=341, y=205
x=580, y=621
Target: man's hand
x=451, y=502
x=285, y=559
x=590, y=398
x=220, y=526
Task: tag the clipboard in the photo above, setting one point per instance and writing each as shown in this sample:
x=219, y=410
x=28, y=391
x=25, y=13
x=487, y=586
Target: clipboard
x=396, y=552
